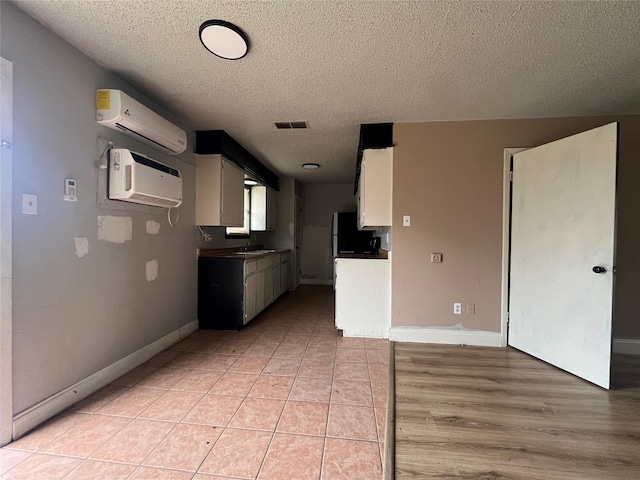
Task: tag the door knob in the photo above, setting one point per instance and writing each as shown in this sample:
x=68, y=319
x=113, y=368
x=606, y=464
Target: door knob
x=599, y=269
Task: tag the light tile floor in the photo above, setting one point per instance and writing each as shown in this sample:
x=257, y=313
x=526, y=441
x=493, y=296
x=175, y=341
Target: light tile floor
x=284, y=398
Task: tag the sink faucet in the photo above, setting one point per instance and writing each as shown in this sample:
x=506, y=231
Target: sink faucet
x=244, y=248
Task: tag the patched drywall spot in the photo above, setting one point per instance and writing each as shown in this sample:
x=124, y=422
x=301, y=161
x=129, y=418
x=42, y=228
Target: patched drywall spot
x=152, y=270
x=153, y=228
x=82, y=246
x=115, y=229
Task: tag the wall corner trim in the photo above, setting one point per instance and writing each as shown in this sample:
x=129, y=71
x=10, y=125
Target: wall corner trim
x=30, y=418
x=629, y=346
x=450, y=336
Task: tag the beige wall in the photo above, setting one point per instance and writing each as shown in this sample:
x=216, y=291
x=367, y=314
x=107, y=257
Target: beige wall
x=448, y=177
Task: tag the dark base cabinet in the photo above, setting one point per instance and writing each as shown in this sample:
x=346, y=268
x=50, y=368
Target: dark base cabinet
x=233, y=290
x=220, y=293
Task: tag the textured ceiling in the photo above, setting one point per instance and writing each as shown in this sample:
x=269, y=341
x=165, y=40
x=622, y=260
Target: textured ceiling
x=337, y=64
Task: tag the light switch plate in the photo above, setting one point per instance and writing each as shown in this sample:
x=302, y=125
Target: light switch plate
x=406, y=220
x=29, y=204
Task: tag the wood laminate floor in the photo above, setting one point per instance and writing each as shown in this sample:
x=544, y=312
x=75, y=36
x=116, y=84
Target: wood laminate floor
x=484, y=413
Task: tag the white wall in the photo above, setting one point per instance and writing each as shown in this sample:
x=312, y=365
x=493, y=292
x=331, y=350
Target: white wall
x=320, y=201
x=74, y=314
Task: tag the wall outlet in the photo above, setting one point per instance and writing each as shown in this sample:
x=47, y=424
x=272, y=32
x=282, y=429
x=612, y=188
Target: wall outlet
x=457, y=309
x=436, y=258
x=471, y=308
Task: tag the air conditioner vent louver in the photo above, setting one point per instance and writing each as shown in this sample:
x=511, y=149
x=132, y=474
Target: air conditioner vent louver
x=288, y=125
x=139, y=179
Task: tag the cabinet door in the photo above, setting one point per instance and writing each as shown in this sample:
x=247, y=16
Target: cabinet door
x=375, y=188
x=363, y=297
x=360, y=198
x=284, y=277
x=250, y=297
x=232, y=188
x=209, y=190
x=268, y=286
x=260, y=290
x=276, y=282
x=239, y=198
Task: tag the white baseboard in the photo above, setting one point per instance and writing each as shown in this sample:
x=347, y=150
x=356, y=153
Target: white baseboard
x=451, y=336
x=481, y=338
x=630, y=346
x=30, y=418
x=366, y=333
x=316, y=281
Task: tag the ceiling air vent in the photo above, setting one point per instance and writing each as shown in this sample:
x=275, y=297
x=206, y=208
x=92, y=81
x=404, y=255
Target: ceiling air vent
x=282, y=125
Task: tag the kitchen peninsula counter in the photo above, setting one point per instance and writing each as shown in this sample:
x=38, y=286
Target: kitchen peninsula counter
x=382, y=255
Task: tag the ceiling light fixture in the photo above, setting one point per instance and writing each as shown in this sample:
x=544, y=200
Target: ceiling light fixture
x=224, y=39
x=311, y=166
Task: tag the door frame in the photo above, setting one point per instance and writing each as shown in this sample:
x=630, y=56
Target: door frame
x=6, y=334
x=506, y=241
x=297, y=240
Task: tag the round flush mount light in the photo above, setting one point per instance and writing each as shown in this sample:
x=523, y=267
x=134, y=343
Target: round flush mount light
x=224, y=39
x=311, y=166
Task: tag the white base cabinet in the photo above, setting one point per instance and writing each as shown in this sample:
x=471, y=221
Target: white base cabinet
x=250, y=297
x=363, y=297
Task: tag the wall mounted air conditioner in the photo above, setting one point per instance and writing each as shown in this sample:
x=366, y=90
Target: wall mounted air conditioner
x=139, y=179
x=117, y=110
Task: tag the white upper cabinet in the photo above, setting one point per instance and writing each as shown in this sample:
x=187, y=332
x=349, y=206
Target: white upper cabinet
x=375, y=188
x=219, y=192
x=264, y=208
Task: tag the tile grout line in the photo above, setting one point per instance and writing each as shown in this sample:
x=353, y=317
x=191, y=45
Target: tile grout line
x=326, y=428
x=282, y=328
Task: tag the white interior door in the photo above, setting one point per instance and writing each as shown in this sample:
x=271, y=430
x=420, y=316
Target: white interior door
x=562, y=229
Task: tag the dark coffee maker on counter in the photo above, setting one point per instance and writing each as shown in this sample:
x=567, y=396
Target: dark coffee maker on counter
x=375, y=245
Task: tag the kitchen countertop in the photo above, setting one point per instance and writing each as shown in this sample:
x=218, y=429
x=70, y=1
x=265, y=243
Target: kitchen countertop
x=382, y=255
x=240, y=255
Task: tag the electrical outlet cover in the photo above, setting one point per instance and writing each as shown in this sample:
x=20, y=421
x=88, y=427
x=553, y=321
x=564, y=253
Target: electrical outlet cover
x=29, y=204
